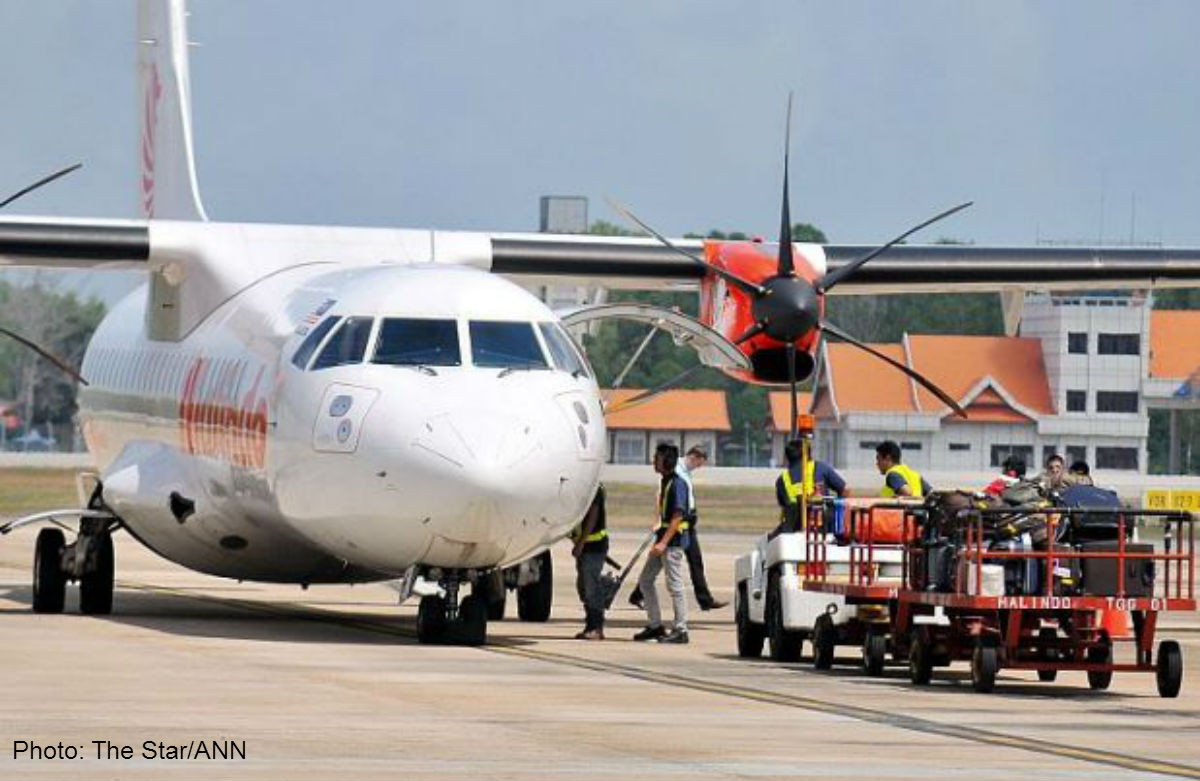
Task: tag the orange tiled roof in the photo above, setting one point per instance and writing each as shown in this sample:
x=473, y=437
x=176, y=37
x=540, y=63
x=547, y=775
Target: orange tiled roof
x=957, y=363
x=1174, y=348
x=676, y=410
x=863, y=383
x=781, y=408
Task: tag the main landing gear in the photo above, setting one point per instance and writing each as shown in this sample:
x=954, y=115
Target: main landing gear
x=88, y=560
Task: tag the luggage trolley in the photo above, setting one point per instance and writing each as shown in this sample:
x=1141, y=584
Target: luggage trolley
x=1041, y=608
x=865, y=572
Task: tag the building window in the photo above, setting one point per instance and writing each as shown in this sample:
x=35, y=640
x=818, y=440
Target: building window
x=865, y=445
x=1116, y=458
x=1001, y=452
x=1077, y=343
x=1076, y=401
x=1117, y=401
x=1119, y=344
x=960, y=446
x=1076, y=453
x=910, y=445
x=631, y=448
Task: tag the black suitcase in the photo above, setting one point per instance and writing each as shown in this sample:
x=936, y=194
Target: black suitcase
x=1100, y=575
x=1021, y=576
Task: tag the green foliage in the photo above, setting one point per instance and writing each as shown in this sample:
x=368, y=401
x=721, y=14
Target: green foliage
x=1159, y=442
x=888, y=318
x=1181, y=298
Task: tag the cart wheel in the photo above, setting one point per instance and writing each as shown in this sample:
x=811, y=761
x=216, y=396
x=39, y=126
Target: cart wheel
x=1100, y=654
x=1170, y=668
x=874, y=653
x=785, y=645
x=985, y=662
x=750, y=635
x=824, y=640
x=1046, y=637
x=920, y=659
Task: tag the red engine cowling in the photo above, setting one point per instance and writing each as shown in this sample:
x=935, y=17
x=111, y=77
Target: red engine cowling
x=727, y=309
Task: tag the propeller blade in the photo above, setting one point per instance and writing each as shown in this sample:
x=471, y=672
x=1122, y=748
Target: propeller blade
x=751, y=332
x=791, y=359
x=39, y=183
x=54, y=359
x=787, y=267
x=829, y=328
x=733, y=279
x=827, y=282
x=645, y=396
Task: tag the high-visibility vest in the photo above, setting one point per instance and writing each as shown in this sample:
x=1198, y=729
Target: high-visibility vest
x=593, y=537
x=911, y=477
x=809, y=486
x=665, y=523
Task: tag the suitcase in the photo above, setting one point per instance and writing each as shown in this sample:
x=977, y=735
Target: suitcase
x=1095, y=525
x=1100, y=575
x=1021, y=576
x=932, y=566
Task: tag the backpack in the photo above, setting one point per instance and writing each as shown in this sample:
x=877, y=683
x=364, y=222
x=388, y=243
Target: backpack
x=1093, y=526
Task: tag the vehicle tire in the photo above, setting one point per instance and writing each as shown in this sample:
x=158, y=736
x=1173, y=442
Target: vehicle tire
x=1100, y=654
x=49, y=581
x=1047, y=654
x=535, y=599
x=985, y=663
x=96, y=587
x=750, y=636
x=472, y=620
x=431, y=620
x=785, y=645
x=1169, y=669
x=824, y=642
x=874, y=653
x=920, y=659
x=491, y=588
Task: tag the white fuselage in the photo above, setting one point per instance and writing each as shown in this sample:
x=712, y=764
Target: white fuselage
x=346, y=472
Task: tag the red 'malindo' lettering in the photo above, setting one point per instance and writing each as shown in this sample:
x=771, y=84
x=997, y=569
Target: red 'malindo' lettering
x=213, y=423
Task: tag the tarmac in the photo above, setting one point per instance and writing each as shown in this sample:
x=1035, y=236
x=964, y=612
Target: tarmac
x=331, y=683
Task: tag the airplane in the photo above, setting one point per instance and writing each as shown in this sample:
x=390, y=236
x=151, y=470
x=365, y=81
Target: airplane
x=328, y=404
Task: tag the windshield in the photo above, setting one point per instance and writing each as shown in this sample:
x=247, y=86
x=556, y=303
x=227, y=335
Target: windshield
x=310, y=343
x=412, y=342
x=347, y=345
x=566, y=357
x=506, y=345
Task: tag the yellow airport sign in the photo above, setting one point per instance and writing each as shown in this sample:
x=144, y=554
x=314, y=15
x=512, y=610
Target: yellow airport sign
x=1160, y=499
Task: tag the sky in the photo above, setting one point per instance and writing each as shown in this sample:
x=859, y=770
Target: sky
x=1075, y=121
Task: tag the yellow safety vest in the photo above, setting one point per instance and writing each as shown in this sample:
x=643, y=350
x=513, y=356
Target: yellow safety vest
x=911, y=476
x=809, y=486
x=593, y=537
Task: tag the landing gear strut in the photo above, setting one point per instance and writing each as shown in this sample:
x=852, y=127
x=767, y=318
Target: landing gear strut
x=444, y=620
x=89, y=560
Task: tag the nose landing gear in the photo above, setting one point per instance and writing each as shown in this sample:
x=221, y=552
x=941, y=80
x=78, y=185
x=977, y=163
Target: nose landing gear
x=443, y=620
x=89, y=560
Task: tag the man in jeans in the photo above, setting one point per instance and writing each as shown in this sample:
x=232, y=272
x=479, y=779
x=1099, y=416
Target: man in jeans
x=667, y=553
x=590, y=549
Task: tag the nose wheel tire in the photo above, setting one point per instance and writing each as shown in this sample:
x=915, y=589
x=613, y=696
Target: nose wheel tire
x=472, y=621
x=1169, y=672
x=535, y=599
x=49, y=581
x=431, y=620
x=96, y=586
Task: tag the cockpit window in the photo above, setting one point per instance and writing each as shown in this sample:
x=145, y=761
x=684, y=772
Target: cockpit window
x=310, y=343
x=413, y=342
x=505, y=345
x=562, y=349
x=347, y=345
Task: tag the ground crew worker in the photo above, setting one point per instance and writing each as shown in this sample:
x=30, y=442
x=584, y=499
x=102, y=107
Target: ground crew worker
x=590, y=551
x=818, y=479
x=898, y=479
x=691, y=463
x=667, y=552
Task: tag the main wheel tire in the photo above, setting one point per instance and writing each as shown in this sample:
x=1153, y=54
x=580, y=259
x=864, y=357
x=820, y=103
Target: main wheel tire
x=96, y=587
x=1046, y=636
x=824, y=642
x=784, y=645
x=1100, y=654
x=920, y=660
x=496, y=606
x=985, y=663
x=874, y=653
x=49, y=581
x=431, y=620
x=491, y=588
x=750, y=636
x=1169, y=668
x=472, y=620
x=535, y=599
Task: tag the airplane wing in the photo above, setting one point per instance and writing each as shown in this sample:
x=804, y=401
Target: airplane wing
x=64, y=243
x=912, y=268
